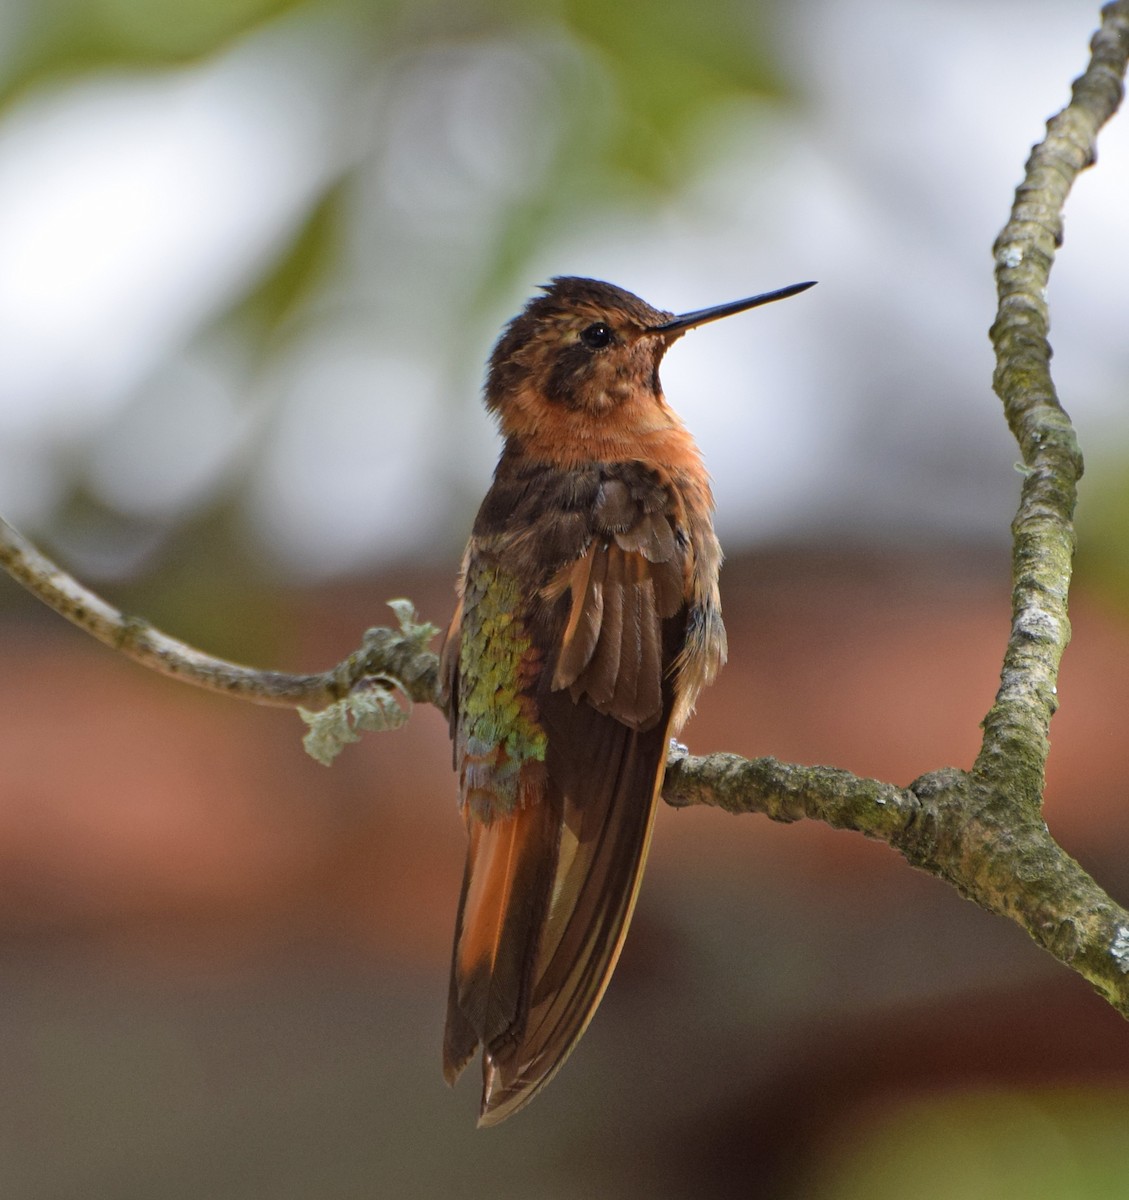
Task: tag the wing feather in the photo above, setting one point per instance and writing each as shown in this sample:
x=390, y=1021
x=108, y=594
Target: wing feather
x=597, y=682
x=611, y=650
x=610, y=793
x=584, y=578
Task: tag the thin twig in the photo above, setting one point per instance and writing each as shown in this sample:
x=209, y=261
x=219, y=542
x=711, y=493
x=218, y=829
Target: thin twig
x=383, y=654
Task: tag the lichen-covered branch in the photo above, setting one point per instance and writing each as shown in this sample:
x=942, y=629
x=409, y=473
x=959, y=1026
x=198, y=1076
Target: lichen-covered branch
x=982, y=831
x=1011, y=867
x=1014, y=750
x=385, y=654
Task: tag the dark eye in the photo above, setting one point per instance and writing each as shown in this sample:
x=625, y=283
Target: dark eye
x=597, y=336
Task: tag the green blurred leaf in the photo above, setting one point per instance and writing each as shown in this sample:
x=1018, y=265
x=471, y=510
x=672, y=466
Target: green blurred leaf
x=303, y=265
x=671, y=61
x=1103, y=527
x=63, y=35
x=1038, y=1145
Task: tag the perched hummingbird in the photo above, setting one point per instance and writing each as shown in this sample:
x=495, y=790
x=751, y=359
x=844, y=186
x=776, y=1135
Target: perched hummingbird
x=588, y=620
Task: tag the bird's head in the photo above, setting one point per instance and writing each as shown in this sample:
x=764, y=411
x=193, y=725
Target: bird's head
x=586, y=354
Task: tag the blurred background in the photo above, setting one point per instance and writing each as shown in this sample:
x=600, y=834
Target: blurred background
x=254, y=256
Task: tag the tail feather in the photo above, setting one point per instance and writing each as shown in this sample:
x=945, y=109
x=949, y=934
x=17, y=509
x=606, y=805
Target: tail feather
x=547, y=898
x=506, y=886
x=585, y=927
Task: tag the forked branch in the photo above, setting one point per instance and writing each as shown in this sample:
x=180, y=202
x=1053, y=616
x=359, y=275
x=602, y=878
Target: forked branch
x=980, y=830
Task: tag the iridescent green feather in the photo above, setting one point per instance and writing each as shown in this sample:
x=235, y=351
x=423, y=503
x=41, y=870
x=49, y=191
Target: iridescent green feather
x=499, y=738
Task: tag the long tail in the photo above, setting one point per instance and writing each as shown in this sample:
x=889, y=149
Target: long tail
x=547, y=897
x=505, y=894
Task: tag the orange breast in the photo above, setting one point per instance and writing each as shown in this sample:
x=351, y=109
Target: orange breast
x=641, y=428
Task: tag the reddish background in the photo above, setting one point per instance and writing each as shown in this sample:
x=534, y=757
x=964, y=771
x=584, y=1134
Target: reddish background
x=224, y=965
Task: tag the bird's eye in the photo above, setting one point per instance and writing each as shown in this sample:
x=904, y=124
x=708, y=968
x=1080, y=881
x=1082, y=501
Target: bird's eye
x=597, y=336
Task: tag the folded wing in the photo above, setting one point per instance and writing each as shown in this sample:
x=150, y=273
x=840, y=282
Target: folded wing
x=551, y=882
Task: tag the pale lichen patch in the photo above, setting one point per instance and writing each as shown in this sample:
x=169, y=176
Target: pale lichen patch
x=1119, y=949
x=1010, y=256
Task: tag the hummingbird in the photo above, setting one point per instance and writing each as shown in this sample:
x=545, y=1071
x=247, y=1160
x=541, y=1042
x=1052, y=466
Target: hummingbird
x=587, y=621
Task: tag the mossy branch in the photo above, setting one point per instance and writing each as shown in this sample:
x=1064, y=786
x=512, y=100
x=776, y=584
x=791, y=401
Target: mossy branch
x=1015, y=745
x=1006, y=862
x=982, y=830
x=395, y=657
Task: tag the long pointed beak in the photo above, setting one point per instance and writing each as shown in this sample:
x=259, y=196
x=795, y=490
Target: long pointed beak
x=689, y=320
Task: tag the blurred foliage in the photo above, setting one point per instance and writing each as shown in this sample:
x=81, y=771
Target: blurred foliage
x=617, y=96
x=1103, y=518
x=649, y=73
x=61, y=36
x=670, y=63
x=299, y=270
x=1048, y=1145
